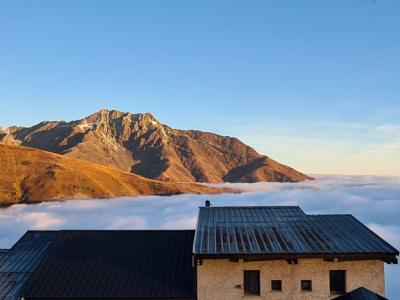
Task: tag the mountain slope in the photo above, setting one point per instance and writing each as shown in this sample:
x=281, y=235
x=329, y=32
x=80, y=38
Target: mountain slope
x=138, y=143
x=31, y=175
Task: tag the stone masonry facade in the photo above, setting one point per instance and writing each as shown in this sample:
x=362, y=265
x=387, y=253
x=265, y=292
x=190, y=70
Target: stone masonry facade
x=223, y=280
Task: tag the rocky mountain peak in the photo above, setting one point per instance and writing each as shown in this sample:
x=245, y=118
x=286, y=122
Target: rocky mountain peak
x=140, y=144
x=110, y=117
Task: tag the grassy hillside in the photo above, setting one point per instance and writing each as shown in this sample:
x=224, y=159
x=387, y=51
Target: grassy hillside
x=32, y=175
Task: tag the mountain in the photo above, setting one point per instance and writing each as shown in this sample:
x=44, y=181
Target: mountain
x=139, y=144
x=32, y=175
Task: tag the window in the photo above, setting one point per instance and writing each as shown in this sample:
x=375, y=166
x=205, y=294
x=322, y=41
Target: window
x=337, y=281
x=306, y=285
x=276, y=285
x=252, y=282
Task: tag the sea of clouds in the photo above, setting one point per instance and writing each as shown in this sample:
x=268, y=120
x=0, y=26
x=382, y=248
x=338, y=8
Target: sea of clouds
x=374, y=200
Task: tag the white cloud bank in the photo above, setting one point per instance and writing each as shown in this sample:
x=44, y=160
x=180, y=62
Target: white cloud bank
x=374, y=200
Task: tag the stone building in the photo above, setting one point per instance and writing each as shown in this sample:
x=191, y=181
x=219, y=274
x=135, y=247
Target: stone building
x=282, y=253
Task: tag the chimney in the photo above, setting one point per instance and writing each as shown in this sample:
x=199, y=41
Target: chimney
x=208, y=203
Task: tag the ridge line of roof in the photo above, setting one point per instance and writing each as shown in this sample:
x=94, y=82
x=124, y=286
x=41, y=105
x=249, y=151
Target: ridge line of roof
x=126, y=230
x=26, y=233
x=212, y=206
x=323, y=215
x=108, y=230
x=39, y=230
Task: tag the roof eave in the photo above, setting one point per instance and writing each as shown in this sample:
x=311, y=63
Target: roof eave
x=390, y=258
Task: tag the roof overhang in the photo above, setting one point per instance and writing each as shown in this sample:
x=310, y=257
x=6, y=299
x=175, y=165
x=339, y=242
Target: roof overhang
x=390, y=258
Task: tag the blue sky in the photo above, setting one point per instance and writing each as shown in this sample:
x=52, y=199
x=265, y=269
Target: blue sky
x=313, y=84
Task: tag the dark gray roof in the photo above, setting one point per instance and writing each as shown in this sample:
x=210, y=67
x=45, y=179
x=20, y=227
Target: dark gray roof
x=282, y=230
x=360, y=294
x=20, y=261
x=125, y=264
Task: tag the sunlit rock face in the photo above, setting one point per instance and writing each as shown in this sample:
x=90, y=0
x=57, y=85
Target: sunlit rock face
x=138, y=143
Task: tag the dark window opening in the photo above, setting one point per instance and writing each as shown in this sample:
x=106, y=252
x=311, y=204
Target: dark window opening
x=337, y=281
x=252, y=282
x=306, y=285
x=276, y=285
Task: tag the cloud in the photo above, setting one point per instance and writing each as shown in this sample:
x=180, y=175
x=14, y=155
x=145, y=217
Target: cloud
x=389, y=233
x=180, y=223
x=40, y=220
x=132, y=222
x=389, y=129
x=374, y=200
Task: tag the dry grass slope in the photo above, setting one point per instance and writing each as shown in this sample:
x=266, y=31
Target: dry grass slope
x=31, y=175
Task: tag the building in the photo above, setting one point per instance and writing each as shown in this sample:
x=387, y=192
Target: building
x=282, y=253
x=235, y=253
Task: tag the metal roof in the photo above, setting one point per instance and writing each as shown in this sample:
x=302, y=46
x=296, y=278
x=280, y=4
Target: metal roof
x=360, y=294
x=282, y=230
x=20, y=261
x=140, y=264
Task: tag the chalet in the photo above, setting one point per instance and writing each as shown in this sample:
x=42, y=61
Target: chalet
x=282, y=253
x=266, y=252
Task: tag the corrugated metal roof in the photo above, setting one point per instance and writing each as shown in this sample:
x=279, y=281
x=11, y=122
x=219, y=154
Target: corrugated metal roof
x=282, y=230
x=116, y=264
x=20, y=261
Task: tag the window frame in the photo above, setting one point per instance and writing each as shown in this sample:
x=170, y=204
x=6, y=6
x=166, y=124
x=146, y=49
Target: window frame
x=343, y=281
x=251, y=277
x=280, y=285
x=310, y=284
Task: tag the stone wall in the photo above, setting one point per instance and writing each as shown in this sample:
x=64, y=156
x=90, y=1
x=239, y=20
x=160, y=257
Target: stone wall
x=218, y=278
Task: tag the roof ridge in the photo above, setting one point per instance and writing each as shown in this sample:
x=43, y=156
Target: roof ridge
x=323, y=215
x=123, y=230
x=256, y=206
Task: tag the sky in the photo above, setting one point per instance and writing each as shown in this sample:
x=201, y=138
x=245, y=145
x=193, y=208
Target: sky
x=313, y=84
x=374, y=200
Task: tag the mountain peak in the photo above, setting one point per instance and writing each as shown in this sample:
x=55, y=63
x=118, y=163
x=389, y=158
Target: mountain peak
x=103, y=114
x=140, y=144
x=111, y=114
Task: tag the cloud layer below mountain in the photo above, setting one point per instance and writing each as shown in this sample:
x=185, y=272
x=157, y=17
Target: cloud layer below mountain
x=374, y=200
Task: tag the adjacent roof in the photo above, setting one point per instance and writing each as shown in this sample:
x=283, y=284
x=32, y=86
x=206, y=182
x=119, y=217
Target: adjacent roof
x=360, y=294
x=17, y=264
x=116, y=264
x=269, y=230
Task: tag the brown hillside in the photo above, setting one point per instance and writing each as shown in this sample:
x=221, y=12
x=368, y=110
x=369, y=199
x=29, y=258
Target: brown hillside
x=138, y=143
x=31, y=175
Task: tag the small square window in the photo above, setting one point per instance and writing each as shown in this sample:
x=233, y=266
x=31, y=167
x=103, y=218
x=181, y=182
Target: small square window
x=306, y=285
x=276, y=285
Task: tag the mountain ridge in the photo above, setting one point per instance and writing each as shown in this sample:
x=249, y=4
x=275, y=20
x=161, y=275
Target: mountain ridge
x=140, y=144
